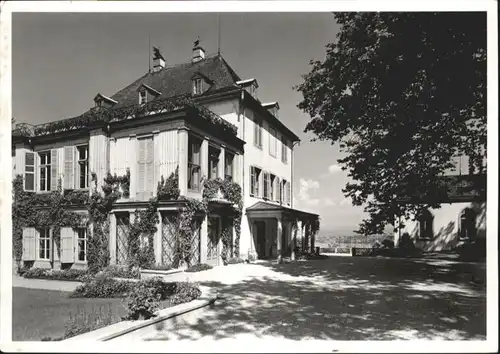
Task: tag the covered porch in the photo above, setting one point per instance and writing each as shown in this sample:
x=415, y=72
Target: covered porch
x=277, y=231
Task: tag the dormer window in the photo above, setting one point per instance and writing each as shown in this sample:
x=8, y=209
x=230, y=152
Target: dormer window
x=147, y=93
x=250, y=86
x=143, y=97
x=197, y=86
x=104, y=101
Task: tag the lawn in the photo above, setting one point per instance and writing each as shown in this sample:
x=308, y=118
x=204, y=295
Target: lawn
x=37, y=314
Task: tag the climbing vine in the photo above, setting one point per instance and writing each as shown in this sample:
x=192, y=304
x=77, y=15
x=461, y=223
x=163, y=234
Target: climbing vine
x=141, y=236
x=44, y=210
x=168, y=189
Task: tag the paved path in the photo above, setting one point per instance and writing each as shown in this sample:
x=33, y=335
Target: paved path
x=340, y=298
x=20, y=282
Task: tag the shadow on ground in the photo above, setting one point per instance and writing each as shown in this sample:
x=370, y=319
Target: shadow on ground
x=346, y=298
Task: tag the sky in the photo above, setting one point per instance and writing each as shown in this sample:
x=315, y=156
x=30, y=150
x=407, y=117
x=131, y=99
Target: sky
x=60, y=61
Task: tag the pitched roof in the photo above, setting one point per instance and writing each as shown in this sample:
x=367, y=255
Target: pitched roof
x=261, y=206
x=176, y=80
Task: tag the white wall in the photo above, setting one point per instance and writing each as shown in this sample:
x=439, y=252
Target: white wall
x=445, y=226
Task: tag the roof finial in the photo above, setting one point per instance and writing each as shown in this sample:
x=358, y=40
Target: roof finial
x=157, y=54
x=197, y=42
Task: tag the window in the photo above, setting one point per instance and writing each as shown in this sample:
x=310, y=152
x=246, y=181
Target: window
x=286, y=195
x=257, y=139
x=44, y=244
x=468, y=229
x=83, y=166
x=194, y=163
x=277, y=190
x=284, y=150
x=228, y=166
x=272, y=182
x=145, y=164
x=44, y=171
x=254, y=181
x=197, y=86
x=82, y=244
x=425, y=221
x=267, y=185
x=273, y=143
x=29, y=171
x=213, y=162
x=143, y=97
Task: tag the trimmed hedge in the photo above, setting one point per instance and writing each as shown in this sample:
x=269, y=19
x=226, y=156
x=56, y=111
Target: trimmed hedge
x=199, y=268
x=235, y=260
x=53, y=274
x=103, y=287
x=121, y=272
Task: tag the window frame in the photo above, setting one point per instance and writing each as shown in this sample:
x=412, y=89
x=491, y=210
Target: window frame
x=47, y=167
x=85, y=163
x=197, y=86
x=257, y=139
x=47, y=245
x=425, y=225
x=31, y=173
x=255, y=174
x=266, y=185
x=213, y=163
x=85, y=244
x=273, y=142
x=229, y=157
x=284, y=150
x=194, y=141
x=143, y=97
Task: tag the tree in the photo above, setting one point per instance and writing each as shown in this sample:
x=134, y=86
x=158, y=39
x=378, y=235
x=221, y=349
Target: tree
x=401, y=93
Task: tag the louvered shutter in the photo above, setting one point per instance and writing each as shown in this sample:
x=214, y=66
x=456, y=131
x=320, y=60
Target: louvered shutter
x=28, y=244
x=149, y=167
x=141, y=162
x=53, y=170
x=277, y=189
x=69, y=167
x=67, y=245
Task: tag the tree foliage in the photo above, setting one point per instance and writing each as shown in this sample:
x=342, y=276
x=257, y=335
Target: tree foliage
x=401, y=93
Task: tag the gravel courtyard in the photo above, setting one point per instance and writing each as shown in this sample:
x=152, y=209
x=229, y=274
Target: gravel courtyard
x=339, y=298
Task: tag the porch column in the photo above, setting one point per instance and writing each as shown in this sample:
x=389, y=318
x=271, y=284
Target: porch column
x=203, y=240
x=313, y=240
x=294, y=231
x=157, y=241
x=183, y=160
x=222, y=163
x=306, y=238
x=279, y=235
x=112, y=238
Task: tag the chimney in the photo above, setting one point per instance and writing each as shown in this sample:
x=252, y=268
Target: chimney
x=158, y=60
x=198, y=52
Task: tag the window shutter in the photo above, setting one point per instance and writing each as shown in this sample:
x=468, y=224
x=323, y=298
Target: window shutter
x=53, y=170
x=288, y=192
x=149, y=167
x=252, y=180
x=276, y=189
x=28, y=244
x=141, y=161
x=67, y=245
x=69, y=167
x=29, y=171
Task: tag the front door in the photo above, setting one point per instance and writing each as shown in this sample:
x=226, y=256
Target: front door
x=213, y=238
x=260, y=229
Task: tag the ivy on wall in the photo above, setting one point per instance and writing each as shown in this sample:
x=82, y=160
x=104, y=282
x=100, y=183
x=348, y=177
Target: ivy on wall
x=99, y=116
x=30, y=209
x=168, y=189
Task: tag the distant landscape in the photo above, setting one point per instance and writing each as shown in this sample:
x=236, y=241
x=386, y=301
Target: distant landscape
x=332, y=240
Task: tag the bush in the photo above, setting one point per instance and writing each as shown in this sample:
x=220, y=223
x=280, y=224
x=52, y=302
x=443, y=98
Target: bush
x=52, y=274
x=160, y=267
x=84, y=321
x=161, y=288
x=143, y=301
x=185, y=292
x=121, y=272
x=235, y=260
x=103, y=287
x=198, y=268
